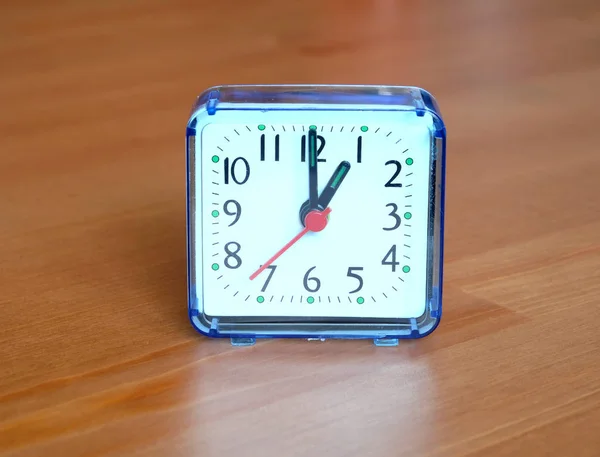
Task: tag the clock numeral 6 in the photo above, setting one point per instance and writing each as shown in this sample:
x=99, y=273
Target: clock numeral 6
x=237, y=212
x=391, y=253
x=393, y=213
x=390, y=182
x=316, y=281
x=232, y=254
x=231, y=170
x=359, y=278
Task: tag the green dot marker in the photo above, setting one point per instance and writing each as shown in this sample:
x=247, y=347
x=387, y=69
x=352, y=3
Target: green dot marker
x=215, y=266
x=364, y=128
x=215, y=159
x=260, y=299
x=215, y=213
x=313, y=127
x=261, y=127
x=310, y=300
x=409, y=161
x=407, y=215
x=405, y=268
x=360, y=300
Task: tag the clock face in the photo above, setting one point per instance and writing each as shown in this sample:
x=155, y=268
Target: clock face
x=369, y=257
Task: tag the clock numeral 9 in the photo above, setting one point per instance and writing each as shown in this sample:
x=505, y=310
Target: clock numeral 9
x=393, y=213
x=231, y=170
x=232, y=254
x=237, y=212
x=390, y=182
x=359, y=278
x=320, y=147
x=316, y=281
x=391, y=253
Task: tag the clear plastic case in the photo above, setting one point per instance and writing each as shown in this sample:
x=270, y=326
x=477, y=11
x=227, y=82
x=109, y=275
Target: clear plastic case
x=405, y=109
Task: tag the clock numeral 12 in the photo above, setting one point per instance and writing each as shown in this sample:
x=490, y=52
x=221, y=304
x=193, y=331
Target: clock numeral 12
x=262, y=148
x=320, y=146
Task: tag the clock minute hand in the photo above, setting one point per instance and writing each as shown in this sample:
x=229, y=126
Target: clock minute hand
x=334, y=183
x=313, y=181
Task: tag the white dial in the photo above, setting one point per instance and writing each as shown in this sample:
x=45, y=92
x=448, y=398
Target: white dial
x=370, y=259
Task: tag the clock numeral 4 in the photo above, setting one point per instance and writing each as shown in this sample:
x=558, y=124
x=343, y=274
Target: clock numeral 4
x=359, y=278
x=230, y=170
x=390, y=182
x=321, y=145
x=386, y=260
x=231, y=249
x=263, y=147
x=313, y=280
x=237, y=213
x=397, y=220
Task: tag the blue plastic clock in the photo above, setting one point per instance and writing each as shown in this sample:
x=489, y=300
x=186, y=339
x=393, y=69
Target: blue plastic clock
x=315, y=211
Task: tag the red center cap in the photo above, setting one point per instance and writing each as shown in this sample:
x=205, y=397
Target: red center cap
x=316, y=221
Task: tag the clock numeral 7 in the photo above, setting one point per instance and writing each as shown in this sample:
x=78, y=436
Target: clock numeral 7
x=320, y=146
x=272, y=268
x=359, y=278
x=262, y=148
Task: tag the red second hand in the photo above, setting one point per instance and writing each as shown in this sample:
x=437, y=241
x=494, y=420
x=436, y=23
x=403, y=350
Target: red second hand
x=315, y=222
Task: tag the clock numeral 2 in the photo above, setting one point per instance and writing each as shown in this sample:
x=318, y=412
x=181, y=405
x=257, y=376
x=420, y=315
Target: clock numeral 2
x=262, y=148
x=320, y=147
x=231, y=170
x=391, y=253
x=390, y=182
x=232, y=254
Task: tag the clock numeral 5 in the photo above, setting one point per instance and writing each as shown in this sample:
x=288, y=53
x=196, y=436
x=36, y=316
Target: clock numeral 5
x=391, y=253
x=397, y=219
x=262, y=148
x=232, y=253
x=390, y=182
x=359, y=278
x=316, y=281
x=231, y=170
x=321, y=145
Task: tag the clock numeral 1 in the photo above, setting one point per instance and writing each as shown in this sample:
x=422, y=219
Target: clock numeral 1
x=262, y=148
x=272, y=268
x=390, y=183
x=359, y=278
x=232, y=254
x=391, y=253
x=397, y=219
x=320, y=146
x=359, y=150
x=231, y=170
x=316, y=281
x=237, y=212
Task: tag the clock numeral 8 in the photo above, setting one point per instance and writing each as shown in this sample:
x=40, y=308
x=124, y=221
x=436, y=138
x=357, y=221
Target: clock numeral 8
x=232, y=254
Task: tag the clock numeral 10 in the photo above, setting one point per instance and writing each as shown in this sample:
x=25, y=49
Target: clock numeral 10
x=231, y=170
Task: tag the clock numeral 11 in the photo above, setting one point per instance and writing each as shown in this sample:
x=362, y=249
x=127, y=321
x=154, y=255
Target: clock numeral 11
x=262, y=148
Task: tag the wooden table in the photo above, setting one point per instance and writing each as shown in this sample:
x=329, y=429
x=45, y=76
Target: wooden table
x=98, y=357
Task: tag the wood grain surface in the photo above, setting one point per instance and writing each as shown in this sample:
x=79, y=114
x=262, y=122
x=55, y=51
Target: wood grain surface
x=97, y=357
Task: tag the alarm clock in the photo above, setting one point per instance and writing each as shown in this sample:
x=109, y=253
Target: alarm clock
x=315, y=212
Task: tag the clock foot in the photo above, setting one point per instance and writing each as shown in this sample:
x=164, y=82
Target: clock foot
x=243, y=341
x=386, y=341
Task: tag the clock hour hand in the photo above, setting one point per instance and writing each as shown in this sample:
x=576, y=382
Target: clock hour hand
x=334, y=183
x=313, y=182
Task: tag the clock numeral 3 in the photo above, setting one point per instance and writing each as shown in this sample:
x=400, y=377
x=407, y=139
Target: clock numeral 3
x=359, y=278
x=390, y=182
x=231, y=170
x=232, y=254
x=316, y=281
x=391, y=253
x=321, y=145
x=237, y=212
x=397, y=219
x=262, y=148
